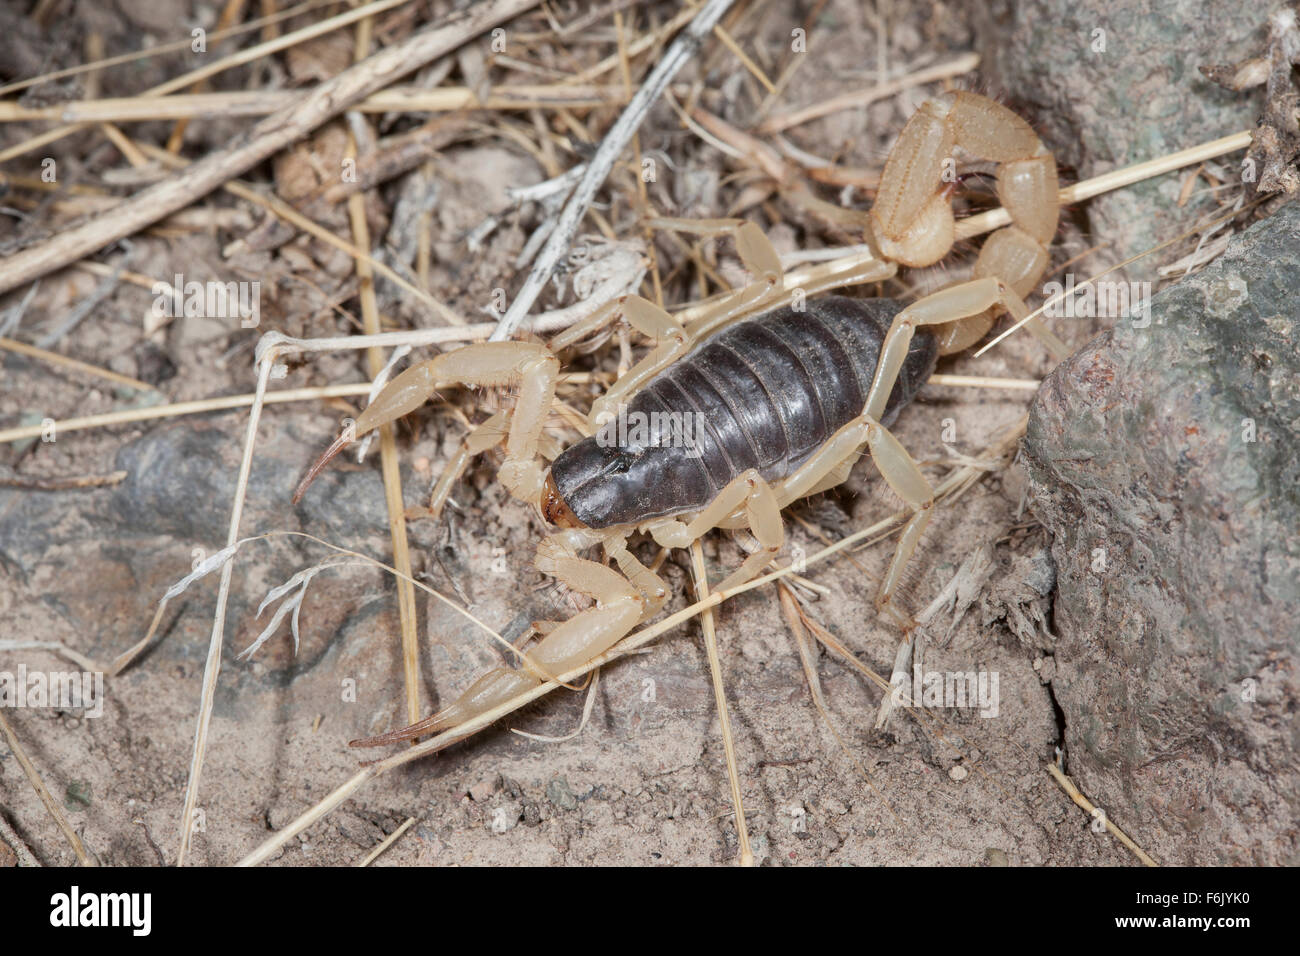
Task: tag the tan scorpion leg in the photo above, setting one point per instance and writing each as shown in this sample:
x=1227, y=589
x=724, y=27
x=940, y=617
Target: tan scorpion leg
x=620, y=604
x=671, y=342
x=758, y=257
x=533, y=366
x=754, y=498
x=756, y=254
x=833, y=476
x=827, y=466
x=487, y=435
x=946, y=306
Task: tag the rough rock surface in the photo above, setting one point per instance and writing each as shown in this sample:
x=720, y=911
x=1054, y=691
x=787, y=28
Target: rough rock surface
x=1112, y=83
x=1166, y=462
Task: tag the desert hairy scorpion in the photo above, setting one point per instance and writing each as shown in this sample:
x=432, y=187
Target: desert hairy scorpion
x=788, y=397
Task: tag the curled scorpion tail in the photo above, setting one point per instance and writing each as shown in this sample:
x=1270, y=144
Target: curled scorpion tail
x=491, y=690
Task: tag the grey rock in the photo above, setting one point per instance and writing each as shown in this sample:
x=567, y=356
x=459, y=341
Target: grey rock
x=1165, y=461
x=485, y=788
x=1140, y=97
x=181, y=482
x=107, y=555
x=505, y=816
x=177, y=484
x=532, y=813
x=153, y=364
x=281, y=815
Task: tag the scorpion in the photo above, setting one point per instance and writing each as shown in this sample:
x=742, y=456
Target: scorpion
x=788, y=397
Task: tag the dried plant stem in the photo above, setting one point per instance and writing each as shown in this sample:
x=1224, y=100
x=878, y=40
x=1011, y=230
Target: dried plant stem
x=124, y=145
x=391, y=469
x=176, y=409
x=739, y=53
x=552, y=322
x=707, y=624
x=611, y=148
x=397, y=99
x=268, y=137
x=54, y=358
x=212, y=666
x=860, y=98
x=126, y=275
x=1074, y=794
x=984, y=381
x=221, y=404
x=39, y=786
x=387, y=842
x=1116, y=179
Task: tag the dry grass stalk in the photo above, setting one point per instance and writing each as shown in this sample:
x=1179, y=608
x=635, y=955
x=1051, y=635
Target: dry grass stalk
x=268, y=137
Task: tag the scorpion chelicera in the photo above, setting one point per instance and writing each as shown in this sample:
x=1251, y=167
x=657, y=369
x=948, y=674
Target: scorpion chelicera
x=788, y=398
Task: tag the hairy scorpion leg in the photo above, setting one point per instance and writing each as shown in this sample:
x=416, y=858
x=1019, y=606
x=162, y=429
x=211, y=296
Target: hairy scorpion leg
x=621, y=603
x=491, y=363
x=757, y=502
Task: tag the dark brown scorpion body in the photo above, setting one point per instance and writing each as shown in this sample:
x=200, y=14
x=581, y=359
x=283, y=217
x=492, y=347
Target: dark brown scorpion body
x=764, y=394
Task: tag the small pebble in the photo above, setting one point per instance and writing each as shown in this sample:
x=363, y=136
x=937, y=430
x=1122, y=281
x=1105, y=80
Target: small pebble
x=561, y=795
x=484, y=788
x=504, y=818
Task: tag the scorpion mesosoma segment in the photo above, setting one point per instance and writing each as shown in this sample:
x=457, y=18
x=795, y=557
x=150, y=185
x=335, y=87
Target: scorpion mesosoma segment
x=789, y=399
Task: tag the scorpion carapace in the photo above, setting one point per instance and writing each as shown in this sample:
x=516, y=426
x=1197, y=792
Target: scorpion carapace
x=762, y=394
x=789, y=400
